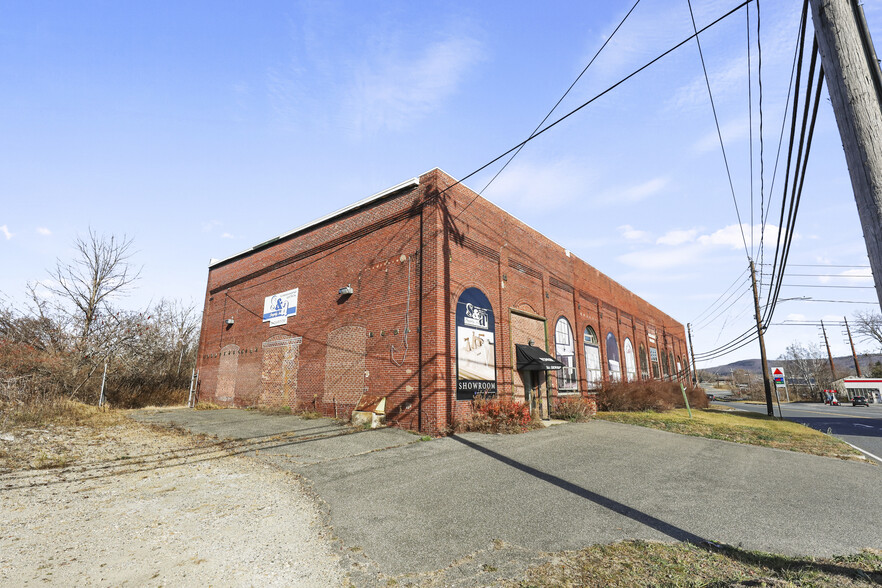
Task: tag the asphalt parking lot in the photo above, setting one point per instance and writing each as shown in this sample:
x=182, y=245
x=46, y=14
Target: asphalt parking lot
x=413, y=506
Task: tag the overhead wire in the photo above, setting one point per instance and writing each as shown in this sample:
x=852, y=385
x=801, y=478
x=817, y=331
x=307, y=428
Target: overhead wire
x=793, y=119
x=590, y=101
x=712, y=305
x=797, y=52
x=719, y=132
x=750, y=123
x=802, y=166
x=553, y=108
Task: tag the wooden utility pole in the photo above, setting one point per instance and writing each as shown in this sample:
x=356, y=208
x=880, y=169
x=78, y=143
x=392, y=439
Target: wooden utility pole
x=857, y=366
x=854, y=82
x=767, y=381
x=829, y=355
x=692, y=352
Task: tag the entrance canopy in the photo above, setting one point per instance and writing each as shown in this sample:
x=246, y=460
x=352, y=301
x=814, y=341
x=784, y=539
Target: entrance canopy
x=533, y=359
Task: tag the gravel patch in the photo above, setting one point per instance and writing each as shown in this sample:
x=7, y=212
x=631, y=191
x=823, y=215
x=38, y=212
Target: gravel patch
x=138, y=506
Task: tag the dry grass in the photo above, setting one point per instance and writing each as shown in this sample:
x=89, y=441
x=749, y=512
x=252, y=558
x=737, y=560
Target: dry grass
x=741, y=427
x=55, y=411
x=639, y=563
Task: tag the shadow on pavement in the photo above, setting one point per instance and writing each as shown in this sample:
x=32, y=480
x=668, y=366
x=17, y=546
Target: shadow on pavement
x=613, y=505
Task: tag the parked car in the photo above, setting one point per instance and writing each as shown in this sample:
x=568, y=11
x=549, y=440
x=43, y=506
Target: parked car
x=711, y=397
x=859, y=401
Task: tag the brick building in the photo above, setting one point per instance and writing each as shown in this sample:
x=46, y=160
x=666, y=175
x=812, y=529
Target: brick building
x=425, y=294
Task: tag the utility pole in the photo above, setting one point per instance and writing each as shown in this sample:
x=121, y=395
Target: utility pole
x=829, y=355
x=767, y=381
x=854, y=82
x=692, y=351
x=857, y=366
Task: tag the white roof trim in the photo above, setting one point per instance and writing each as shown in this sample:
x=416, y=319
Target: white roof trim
x=406, y=184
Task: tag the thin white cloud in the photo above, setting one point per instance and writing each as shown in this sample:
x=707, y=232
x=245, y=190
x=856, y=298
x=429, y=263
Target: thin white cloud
x=852, y=276
x=5, y=230
x=635, y=192
x=632, y=234
x=44, y=231
x=795, y=317
x=661, y=258
x=210, y=225
x=227, y=236
x=732, y=131
x=734, y=236
x=681, y=247
x=539, y=186
x=394, y=91
x=677, y=237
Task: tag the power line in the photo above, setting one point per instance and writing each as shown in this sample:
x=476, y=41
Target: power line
x=591, y=100
x=797, y=52
x=827, y=275
x=724, y=308
x=750, y=121
x=805, y=143
x=827, y=265
x=713, y=304
x=827, y=286
x=717, y=123
x=553, y=108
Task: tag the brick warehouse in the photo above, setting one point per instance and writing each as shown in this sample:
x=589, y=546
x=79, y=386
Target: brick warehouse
x=424, y=294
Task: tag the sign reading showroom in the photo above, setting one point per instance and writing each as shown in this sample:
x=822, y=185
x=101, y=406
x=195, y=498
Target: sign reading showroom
x=475, y=346
x=278, y=307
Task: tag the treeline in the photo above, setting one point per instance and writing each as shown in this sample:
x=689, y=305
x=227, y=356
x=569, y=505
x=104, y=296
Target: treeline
x=57, y=344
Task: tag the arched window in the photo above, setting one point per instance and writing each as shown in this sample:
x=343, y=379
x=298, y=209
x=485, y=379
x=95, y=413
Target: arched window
x=666, y=370
x=612, y=357
x=644, y=365
x=685, y=367
x=675, y=369
x=565, y=351
x=630, y=362
x=593, y=373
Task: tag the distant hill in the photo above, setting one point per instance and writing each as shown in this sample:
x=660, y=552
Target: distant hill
x=844, y=365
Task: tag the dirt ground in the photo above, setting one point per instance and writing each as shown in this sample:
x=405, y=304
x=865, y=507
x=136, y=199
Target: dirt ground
x=139, y=506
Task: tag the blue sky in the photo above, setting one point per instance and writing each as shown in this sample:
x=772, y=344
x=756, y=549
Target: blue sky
x=202, y=128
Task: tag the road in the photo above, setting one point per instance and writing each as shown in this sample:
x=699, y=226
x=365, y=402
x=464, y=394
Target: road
x=859, y=425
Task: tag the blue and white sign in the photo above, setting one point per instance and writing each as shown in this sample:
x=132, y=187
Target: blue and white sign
x=278, y=307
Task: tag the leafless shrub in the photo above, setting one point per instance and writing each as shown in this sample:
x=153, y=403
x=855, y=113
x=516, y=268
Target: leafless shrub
x=652, y=395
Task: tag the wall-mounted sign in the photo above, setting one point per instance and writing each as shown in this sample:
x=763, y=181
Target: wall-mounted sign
x=278, y=307
x=475, y=346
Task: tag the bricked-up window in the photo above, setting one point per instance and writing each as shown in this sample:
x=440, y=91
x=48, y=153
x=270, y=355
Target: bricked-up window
x=630, y=362
x=593, y=371
x=644, y=365
x=226, y=374
x=653, y=358
x=565, y=351
x=612, y=357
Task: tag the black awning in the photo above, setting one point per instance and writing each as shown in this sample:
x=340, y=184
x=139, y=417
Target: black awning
x=533, y=359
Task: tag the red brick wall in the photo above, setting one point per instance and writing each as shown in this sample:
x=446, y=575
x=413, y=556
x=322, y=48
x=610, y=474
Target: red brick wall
x=434, y=242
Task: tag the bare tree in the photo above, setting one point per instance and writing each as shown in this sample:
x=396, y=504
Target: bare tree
x=868, y=326
x=100, y=270
x=808, y=363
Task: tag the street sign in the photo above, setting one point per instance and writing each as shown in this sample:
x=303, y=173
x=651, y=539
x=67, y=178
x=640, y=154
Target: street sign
x=778, y=376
